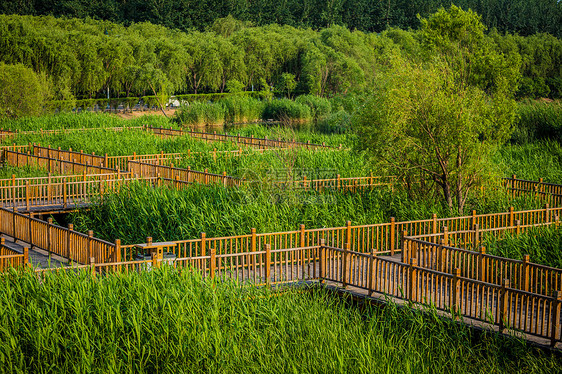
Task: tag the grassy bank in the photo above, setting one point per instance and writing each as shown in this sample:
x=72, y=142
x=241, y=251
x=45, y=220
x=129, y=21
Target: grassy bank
x=169, y=322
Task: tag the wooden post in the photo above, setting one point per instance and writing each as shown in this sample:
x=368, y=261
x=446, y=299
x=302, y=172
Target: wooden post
x=302, y=244
x=26, y=257
x=511, y=216
x=203, y=243
x=323, y=260
x=27, y=192
x=524, y=283
x=445, y=236
x=482, y=264
x=253, y=244
x=224, y=178
x=503, y=304
x=405, y=251
x=555, y=324
x=392, y=235
x=513, y=181
x=117, y=250
x=456, y=292
x=49, y=234
x=413, y=280
x=268, y=264
x=69, y=242
x=89, y=248
x=30, y=230
x=348, y=238
x=154, y=257
x=338, y=182
x=442, y=257
x=105, y=161
x=475, y=236
x=213, y=263
x=517, y=227
x=345, y=269
x=372, y=275
x=546, y=213
x=473, y=219
x=64, y=194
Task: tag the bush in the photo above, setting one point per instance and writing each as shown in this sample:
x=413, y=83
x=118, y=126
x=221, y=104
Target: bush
x=198, y=113
x=242, y=109
x=336, y=123
x=286, y=110
x=319, y=106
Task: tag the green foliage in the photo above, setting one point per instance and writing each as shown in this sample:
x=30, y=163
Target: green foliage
x=436, y=133
x=24, y=93
x=339, y=122
x=538, y=120
x=286, y=110
x=319, y=107
x=168, y=321
x=542, y=244
x=541, y=159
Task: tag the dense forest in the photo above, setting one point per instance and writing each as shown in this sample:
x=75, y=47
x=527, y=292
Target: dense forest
x=89, y=58
x=524, y=17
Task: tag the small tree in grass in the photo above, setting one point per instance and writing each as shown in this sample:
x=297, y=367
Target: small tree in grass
x=436, y=123
x=23, y=93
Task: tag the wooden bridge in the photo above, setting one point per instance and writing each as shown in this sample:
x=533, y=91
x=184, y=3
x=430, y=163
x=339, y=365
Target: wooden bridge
x=379, y=261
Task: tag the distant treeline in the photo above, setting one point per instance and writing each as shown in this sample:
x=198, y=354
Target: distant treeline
x=82, y=59
x=524, y=17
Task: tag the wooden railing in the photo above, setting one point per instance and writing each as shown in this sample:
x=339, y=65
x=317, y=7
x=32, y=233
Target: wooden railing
x=352, y=184
x=53, y=165
x=246, y=140
x=10, y=258
x=522, y=274
x=60, y=191
x=499, y=305
x=381, y=238
x=70, y=156
x=146, y=169
x=65, y=242
x=548, y=192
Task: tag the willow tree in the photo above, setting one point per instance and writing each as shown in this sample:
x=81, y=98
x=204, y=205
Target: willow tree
x=24, y=93
x=436, y=123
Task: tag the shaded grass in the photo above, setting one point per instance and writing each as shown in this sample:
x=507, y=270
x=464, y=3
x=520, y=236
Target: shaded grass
x=544, y=245
x=170, y=322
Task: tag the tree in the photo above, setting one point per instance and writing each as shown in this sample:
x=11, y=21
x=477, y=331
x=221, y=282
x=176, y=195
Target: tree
x=436, y=124
x=24, y=93
x=436, y=135
x=287, y=83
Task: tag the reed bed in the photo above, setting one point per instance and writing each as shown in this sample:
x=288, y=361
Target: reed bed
x=544, y=245
x=165, y=321
x=139, y=210
x=290, y=164
x=81, y=120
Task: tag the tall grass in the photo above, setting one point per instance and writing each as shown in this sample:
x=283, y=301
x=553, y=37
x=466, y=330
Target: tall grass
x=121, y=143
x=165, y=321
x=82, y=120
x=6, y=171
x=538, y=120
x=541, y=159
x=138, y=211
x=544, y=245
x=293, y=164
x=286, y=110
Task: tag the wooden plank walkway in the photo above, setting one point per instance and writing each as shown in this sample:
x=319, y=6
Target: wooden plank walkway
x=38, y=257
